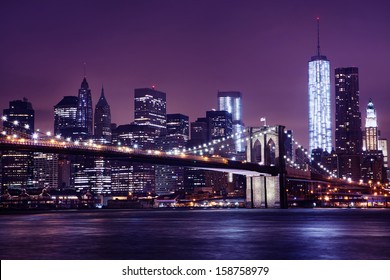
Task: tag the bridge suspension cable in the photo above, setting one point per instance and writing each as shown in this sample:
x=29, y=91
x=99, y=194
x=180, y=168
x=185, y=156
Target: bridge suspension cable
x=313, y=166
x=198, y=150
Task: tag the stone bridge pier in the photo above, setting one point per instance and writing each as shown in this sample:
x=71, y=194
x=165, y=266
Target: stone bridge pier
x=265, y=146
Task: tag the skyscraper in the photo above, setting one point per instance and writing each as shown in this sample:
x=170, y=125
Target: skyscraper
x=45, y=170
x=170, y=179
x=371, y=135
x=382, y=146
x=348, y=123
x=348, y=117
x=92, y=175
x=199, y=133
x=19, y=118
x=103, y=120
x=231, y=102
x=150, y=109
x=84, y=110
x=219, y=124
x=17, y=167
x=320, y=130
x=177, y=133
x=135, y=136
x=373, y=165
x=177, y=124
x=142, y=175
x=65, y=116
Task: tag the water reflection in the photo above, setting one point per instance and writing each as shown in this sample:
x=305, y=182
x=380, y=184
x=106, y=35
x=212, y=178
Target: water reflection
x=198, y=234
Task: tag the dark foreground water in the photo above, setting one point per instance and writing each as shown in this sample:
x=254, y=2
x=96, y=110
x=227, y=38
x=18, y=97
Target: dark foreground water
x=198, y=234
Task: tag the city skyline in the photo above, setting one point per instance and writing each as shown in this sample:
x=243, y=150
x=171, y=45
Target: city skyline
x=191, y=51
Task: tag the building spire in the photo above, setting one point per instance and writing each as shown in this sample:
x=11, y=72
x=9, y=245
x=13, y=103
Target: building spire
x=318, y=36
x=85, y=69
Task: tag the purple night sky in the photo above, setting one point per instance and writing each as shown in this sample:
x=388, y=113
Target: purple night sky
x=190, y=49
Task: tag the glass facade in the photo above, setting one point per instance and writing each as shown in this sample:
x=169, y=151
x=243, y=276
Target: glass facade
x=231, y=102
x=84, y=110
x=93, y=175
x=169, y=179
x=219, y=124
x=102, y=128
x=320, y=129
x=348, y=129
x=150, y=108
x=199, y=133
x=382, y=146
x=17, y=166
x=19, y=118
x=46, y=170
x=178, y=124
x=65, y=116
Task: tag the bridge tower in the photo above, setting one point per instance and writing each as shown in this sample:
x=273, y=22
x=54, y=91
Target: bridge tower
x=265, y=146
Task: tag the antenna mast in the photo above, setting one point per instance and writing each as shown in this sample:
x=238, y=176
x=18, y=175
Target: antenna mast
x=318, y=36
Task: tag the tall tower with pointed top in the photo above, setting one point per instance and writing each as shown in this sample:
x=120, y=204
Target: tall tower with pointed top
x=102, y=120
x=320, y=129
x=84, y=110
x=371, y=128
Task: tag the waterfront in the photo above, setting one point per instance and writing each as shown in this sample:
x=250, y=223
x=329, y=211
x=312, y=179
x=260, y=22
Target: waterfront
x=197, y=234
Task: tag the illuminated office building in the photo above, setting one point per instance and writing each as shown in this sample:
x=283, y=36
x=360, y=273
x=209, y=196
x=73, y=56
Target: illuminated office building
x=170, y=179
x=231, y=101
x=177, y=133
x=374, y=160
x=373, y=166
x=123, y=179
x=84, y=111
x=65, y=116
x=348, y=118
x=178, y=124
x=382, y=146
x=17, y=170
x=102, y=120
x=199, y=133
x=150, y=109
x=320, y=130
x=16, y=166
x=141, y=176
x=348, y=131
x=92, y=174
x=371, y=135
x=19, y=118
x=46, y=170
x=216, y=126
x=219, y=124
x=135, y=136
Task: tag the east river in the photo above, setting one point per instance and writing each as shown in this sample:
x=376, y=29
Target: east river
x=215, y=234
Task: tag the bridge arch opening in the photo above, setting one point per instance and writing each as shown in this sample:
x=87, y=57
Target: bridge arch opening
x=256, y=154
x=270, y=157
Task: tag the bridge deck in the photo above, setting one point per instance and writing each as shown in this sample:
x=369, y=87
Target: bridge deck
x=134, y=155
